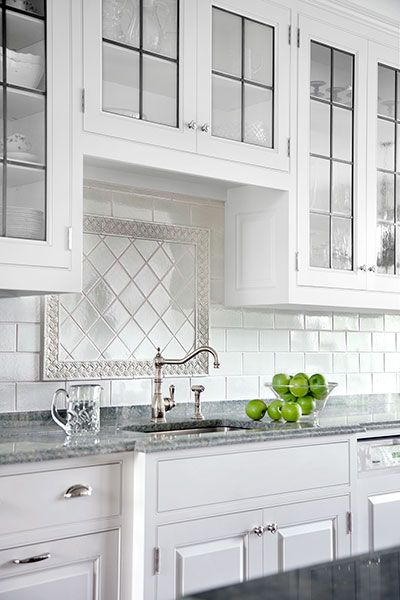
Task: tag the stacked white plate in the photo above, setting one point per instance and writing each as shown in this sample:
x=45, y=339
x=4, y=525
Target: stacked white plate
x=23, y=222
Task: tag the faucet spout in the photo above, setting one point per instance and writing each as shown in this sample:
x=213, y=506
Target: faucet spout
x=158, y=406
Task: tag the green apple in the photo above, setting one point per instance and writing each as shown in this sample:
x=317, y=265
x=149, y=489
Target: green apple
x=274, y=410
x=299, y=386
x=291, y=412
x=280, y=381
x=288, y=397
x=307, y=404
x=302, y=375
x=256, y=409
x=318, y=386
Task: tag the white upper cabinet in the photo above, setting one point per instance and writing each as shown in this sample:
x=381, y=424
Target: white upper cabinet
x=40, y=182
x=332, y=108
x=139, y=68
x=243, y=66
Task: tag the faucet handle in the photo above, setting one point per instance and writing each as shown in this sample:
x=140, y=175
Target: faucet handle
x=169, y=403
x=198, y=388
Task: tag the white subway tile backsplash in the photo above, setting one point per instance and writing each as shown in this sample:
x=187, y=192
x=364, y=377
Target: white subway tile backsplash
x=241, y=388
x=332, y=340
x=371, y=322
x=7, y=397
x=341, y=380
x=318, y=321
x=214, y=387
x=359, y=341
x=383, y=342
x=258, y=363
x=169, y=211
x=36, y=395
x=241, y=340
x=28, y=337
x=318, y=362
x=127, y=392
x=217, y=292
x=392, y=362
x=346, y=322
x=258, y=319
x=303, y=341
x=274, y=341
x=392, y=322
x=289, y=362
x=230, y=364
x=225, y=317
x=97, y=201
x=217, y=339
x=383, y=383
x=18, y=310
x=19, y=366
x=371, y=362
x=8, y=337
x=359, y=383
x=182, y=388
x=104, y=383
x=132, y=206
x=346, y=362
x=289, y=320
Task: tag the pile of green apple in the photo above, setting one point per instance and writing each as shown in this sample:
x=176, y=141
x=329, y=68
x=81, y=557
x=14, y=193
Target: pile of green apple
x=298, y=395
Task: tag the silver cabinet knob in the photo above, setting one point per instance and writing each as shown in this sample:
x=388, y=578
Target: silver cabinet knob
x=362, y=268
x=259, y=531
x=272, y=528
x=372, y=269
x=78, y=491
x=31, y=559
x=205, y=128
x=192, y=125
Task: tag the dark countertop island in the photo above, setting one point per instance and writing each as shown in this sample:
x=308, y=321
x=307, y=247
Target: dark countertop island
x=365, y=577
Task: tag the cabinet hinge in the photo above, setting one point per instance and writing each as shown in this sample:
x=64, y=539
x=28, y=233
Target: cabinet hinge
x=298, y=37
x=288, y=147
x=289, y=35
x=69, y=238
x=349, y=521
x=156, y=560
x=296, y=261
x=83, y=100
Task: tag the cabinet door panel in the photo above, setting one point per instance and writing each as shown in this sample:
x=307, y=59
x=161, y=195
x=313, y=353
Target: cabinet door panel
x=308, y=533
x=384, y=511
x=243, y=82
x=206, y=553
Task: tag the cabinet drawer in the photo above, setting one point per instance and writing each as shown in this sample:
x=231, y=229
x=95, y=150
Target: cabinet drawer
x=35, y=500
x=210, y=479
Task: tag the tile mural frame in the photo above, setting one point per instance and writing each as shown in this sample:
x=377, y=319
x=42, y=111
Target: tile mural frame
x=55, y=369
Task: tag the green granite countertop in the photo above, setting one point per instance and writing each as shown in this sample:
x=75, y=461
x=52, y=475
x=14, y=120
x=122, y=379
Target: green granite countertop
x=31, y=437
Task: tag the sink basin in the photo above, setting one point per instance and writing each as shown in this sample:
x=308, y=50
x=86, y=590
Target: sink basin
x=188, y=431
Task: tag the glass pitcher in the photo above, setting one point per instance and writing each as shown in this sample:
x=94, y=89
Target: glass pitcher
x=83, y=409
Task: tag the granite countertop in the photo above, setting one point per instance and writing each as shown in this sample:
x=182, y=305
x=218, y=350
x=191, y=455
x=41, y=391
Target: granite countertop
x=373, y=576
x=31, y=437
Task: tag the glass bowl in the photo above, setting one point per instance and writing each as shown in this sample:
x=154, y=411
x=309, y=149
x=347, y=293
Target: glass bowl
x=320, y=393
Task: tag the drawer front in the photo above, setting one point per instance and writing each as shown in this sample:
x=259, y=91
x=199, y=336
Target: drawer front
x=204, y=480
x=34, y=500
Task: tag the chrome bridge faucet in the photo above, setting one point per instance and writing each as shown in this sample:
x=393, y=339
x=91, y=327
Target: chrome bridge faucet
x=160, y=405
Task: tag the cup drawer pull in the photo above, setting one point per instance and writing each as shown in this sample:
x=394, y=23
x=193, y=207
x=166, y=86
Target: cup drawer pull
x=32, y=559
x=78, y=491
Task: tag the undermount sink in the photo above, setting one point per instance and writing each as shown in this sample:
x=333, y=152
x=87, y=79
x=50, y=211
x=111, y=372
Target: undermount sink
x=196, y=430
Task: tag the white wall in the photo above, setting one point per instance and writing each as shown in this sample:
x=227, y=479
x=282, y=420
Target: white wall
x=360, y=352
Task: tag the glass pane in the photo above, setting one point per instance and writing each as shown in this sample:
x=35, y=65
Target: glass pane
x=319, y=184
x=342, y=133
x=121, y=81
x=319, y=240
x=160, y=27
x=257, y=116
x=121, y=21
x=320, y=138
x=342, y=91
x=385, y=196
x=258, y=58
x=25, y=127
x=34, y=7
x=342, y=243
x=398, y=147
x=397, y=250
x=320, y=71
x=398, y=96
x=386, y=91
x=398, y=198
x=25, y=51
x=342, y=188
x=385, y=149
x=227, y=43
x=159, y=91
x=226, y=108
x=385, y=245
x=25, y=214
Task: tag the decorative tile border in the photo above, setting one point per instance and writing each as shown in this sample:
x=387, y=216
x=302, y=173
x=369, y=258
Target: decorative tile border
x=53, y=368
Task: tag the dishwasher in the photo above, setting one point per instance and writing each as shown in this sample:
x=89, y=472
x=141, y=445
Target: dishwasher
x=378, y=493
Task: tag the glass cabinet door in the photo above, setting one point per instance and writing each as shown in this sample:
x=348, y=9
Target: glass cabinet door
x=23, y=119
x=331, y=154
x=243, y=82
x=139, y=78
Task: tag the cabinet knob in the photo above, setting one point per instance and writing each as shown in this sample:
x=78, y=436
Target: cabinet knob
x=272, y=528
x=362, y=268
x=258, y=530
x=78, y=491
x=192, y=125
x=372, y=268
x=31, y=559
x=205, y=128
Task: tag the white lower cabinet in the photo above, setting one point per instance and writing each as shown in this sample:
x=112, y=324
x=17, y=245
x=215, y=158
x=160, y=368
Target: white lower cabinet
x=222, y=550
x=79, y=568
